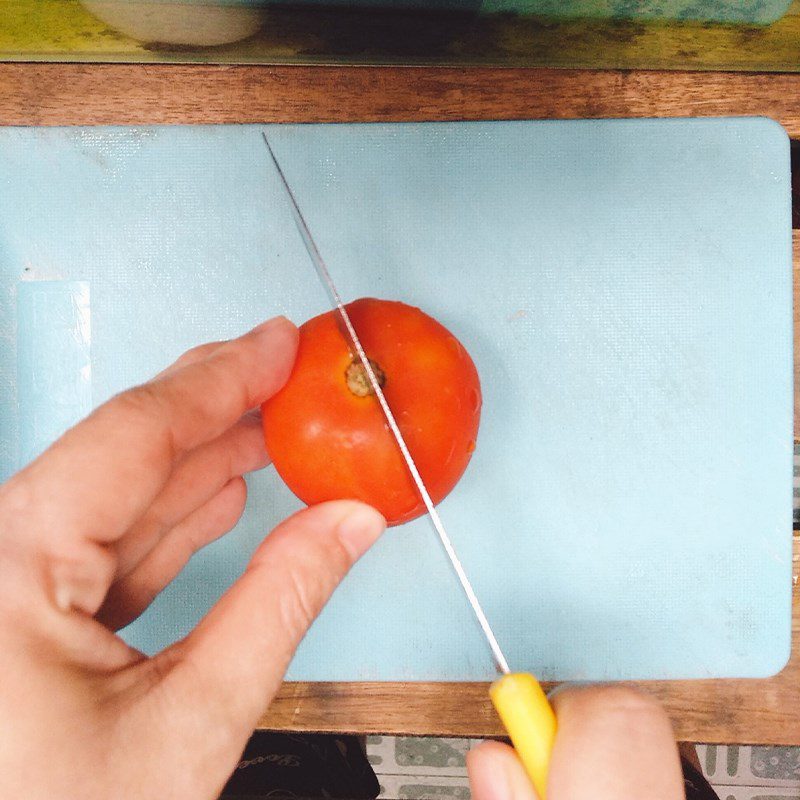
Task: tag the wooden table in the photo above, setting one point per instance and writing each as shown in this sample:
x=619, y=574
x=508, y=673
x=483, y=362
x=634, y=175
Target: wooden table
x=763, y=711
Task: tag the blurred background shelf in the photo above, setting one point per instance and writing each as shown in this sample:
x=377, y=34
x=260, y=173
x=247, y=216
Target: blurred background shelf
x=63, y=30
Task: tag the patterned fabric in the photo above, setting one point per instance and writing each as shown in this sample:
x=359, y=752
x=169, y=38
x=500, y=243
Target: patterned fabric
x=423, y=768
x=752, y=773
x=435, y=769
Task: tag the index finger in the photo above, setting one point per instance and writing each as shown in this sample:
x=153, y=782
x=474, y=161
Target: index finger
x=99, y=477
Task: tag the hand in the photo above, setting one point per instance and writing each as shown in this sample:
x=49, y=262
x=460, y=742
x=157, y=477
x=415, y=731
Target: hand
x=613, y=743
x=96, y=527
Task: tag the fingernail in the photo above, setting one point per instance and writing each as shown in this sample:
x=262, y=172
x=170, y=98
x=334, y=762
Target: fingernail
x=360, y=528
x=498, y=778
x=563, y=687
x=271, y=324
x=505, y=788
x=488, y=780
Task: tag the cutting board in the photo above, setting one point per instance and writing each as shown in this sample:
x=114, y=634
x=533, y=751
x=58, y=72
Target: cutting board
x=624, y=288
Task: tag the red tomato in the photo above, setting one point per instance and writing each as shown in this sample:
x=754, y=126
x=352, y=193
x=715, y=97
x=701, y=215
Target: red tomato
x=326, y=433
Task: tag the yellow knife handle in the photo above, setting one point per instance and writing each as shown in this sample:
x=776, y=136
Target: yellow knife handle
x=530, y=722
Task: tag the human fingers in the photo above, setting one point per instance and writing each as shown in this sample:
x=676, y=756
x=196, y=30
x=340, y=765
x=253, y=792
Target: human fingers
x=237, y=655
x=131, y=595
x=101, y=476
x=196, y=479
x=613, y=743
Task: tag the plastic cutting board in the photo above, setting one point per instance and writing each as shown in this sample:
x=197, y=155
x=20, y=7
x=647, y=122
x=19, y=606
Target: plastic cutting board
x=623, y=286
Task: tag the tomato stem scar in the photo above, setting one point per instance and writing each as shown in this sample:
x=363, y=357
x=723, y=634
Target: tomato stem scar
x=358, y=381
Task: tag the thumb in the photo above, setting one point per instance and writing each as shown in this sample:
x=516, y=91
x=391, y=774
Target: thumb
x=495, y=773
x=233, y=662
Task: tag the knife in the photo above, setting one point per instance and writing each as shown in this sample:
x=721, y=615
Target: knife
x=518, y=698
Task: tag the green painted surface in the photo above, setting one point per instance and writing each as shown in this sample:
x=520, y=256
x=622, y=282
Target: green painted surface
x=770, y=797
x=750, y=12
x=775, y=763
x=57, y=27
x=60, y=30
x=427, y=791
x=427, y=752
x=733, y=759
x=711, y=760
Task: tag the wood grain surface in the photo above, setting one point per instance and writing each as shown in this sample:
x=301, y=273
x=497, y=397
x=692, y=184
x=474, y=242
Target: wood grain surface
x=740, y=711
x=141, y=94
x=765, y=711
x=713, y=711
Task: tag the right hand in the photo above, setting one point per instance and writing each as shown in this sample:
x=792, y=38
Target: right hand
x=613, y=743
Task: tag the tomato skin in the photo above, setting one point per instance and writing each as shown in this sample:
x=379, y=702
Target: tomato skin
x=327, y=443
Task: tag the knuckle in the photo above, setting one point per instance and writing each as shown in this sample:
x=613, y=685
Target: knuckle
x=310, y=578
x=299, y=604
x=155, y=523
x=224, y=383
x=338, y=556
x=187, y=545
x=157, y=671
x=330, y=558
x=148, y=403
x=237, y=489
x=79, y=575
x=195, y=355
x=16, y=501
x=142, y=401
x=235, y=361
x=20, y=543
x=192, y=354
x=229, y=457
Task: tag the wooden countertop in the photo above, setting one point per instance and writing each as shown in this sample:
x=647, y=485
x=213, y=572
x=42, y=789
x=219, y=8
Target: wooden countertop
x=86, y=94
x=763, y=711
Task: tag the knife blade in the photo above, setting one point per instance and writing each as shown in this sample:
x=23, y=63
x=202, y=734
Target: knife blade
x=519, y=699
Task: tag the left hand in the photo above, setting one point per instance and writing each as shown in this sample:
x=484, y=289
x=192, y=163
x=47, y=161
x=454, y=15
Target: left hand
x=95, y=528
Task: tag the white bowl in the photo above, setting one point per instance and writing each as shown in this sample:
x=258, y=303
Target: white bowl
x=178, y=21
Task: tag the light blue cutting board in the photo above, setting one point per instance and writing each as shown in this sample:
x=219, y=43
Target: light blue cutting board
x=623, y=286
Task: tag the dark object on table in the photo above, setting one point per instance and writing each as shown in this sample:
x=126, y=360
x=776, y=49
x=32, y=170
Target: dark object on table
x=795, y=151
x=695, y=783
x=293, y=766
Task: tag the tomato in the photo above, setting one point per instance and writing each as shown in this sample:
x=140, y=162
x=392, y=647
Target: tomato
x=327, y=435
